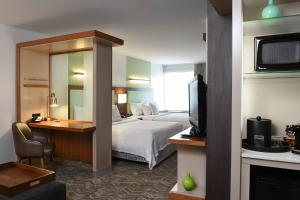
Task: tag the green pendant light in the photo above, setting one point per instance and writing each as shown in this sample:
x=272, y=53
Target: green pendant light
x=271, y=11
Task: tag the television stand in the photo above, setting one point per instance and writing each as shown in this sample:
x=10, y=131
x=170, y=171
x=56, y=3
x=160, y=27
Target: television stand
x=191, y=156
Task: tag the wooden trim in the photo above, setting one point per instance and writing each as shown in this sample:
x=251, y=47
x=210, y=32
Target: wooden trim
x=71, y=51
x=105, y=38
x=197, y=142
x=49, y=91
x=133, y=88
x=18, y=84
x=36, y=85
x=176, y=196
x=72, y=87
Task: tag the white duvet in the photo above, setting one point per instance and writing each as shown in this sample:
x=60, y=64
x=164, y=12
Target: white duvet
x=142, y=137
x=182, y=118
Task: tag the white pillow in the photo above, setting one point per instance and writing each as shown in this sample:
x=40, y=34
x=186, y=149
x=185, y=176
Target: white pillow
x=115, y=114
x=136, y=109
x=154, y=107
x=147, y=110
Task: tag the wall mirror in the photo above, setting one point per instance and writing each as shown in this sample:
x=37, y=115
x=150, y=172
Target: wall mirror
x=71, y=82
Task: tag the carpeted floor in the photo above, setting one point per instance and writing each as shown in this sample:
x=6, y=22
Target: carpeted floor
x=127, y=180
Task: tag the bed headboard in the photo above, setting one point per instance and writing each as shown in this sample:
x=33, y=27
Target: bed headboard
x=134, y=95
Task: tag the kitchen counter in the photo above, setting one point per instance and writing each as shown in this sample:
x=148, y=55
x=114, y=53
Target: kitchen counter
x=288, y=157
x=286, y=160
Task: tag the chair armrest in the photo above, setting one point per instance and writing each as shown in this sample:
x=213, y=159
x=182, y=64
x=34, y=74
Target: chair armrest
x=40, y=138
x=30, y=148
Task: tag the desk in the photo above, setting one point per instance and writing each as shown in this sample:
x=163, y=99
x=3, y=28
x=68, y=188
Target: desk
x=191, y=158
x=73, y=139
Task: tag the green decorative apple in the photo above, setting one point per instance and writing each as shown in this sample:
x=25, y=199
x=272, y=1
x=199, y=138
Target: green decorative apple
x=188, y=183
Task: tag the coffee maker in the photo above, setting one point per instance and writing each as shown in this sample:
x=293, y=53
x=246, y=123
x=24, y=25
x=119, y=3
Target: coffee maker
x=259, y=137
x=296, y=129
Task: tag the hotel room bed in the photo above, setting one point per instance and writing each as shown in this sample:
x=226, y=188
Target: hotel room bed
x=182, y=118
x=143, y=140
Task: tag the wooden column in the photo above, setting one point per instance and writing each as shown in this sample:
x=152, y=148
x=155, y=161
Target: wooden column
x=219, y=66
x=102, y=137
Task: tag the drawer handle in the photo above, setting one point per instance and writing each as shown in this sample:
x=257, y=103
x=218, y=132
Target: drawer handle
x=34, y=183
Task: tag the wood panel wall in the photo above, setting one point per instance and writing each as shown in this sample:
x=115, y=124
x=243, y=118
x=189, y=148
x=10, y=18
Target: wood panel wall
x=33, y=83
x=102, y=138
x=223, y=7
x=219, y=65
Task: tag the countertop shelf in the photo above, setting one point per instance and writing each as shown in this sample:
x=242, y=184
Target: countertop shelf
x=66, y=125
x=178, y=140
x=272, y=75
x=287, y=157
x=284, y=24
x=175, y=195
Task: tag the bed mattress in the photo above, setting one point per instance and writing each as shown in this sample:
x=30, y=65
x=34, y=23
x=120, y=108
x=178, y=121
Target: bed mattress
x=143, y=138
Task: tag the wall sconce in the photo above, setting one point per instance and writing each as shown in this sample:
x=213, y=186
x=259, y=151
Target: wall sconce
x=121, y=98
x=79, y=74
x=139, y=79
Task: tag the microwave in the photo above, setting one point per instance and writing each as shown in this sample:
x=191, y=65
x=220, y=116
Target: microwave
x=277, y=52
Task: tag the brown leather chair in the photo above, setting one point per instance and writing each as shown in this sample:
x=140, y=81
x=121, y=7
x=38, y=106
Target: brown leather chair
x=29, y=146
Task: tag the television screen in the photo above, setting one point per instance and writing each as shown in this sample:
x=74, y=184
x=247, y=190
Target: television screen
x=193, y=102
x=197, y=106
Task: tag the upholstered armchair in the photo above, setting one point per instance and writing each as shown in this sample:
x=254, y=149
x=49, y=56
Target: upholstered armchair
x=30, y=146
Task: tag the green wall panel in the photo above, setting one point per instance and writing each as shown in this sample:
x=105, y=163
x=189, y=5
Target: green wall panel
x=75, y=65
x=139, y=69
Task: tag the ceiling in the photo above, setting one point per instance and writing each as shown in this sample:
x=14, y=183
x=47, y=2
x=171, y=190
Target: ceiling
x=162, y=31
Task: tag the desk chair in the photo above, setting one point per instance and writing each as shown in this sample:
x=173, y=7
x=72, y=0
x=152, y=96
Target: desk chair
x=30, y=146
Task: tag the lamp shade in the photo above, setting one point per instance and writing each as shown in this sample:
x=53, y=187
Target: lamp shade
x=122, y=98
x=53, y=100
x=271, y=11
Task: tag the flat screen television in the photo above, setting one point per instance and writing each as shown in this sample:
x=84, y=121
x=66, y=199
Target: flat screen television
x=197, y=106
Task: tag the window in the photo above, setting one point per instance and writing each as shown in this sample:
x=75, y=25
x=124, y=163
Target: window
x=176, y=89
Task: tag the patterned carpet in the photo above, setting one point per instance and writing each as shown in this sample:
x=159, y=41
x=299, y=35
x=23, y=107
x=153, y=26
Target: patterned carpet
x=127, y=180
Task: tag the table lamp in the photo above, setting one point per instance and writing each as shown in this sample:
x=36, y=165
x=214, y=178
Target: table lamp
x=121, y=98
x=51, y=102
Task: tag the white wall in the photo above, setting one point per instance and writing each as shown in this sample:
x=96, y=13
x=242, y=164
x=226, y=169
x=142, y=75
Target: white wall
x=276, y=99
x=119, y=70
x=8, y=38
x=157, y=84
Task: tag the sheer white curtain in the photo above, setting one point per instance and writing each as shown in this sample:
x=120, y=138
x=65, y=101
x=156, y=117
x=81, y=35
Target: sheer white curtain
x=176, y=87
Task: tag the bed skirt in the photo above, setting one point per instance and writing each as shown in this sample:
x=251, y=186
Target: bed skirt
x=162, y=155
